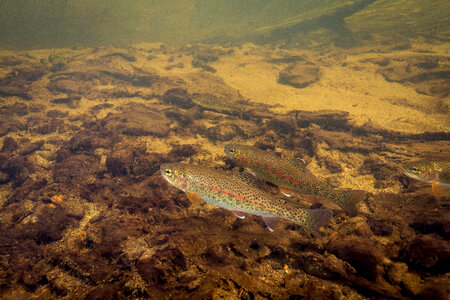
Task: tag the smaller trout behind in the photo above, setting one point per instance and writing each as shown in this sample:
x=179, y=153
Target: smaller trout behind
x=229, y=192
x=436, y=172
x=291, y=176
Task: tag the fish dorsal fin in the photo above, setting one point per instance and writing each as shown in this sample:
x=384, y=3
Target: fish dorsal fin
x=271, y=222
x=297, y=162
x=248, y=178
x=238, y=214
x=194, y=198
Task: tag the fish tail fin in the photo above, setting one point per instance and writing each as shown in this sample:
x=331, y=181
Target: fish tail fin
x=353, y=197
x=313, y=219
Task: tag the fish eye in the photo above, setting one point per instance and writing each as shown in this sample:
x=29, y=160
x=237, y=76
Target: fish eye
x=232, y=151
x=169, y=172
x=414, y=169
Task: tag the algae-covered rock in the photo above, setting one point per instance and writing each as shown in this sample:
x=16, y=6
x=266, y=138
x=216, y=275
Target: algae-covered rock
x=299, y=75
x=138, y=120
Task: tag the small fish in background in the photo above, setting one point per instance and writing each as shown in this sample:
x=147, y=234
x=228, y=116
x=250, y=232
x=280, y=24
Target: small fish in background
x=218, y=104
x=291, y=176
x=436, y=172
x=229, y=192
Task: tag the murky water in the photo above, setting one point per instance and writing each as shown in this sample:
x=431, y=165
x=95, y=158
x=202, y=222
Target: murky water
x=96, y=96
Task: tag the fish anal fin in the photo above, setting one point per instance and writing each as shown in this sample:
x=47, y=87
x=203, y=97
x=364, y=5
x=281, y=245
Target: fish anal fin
x=271, y=222
x=238, y=214
x=437, y=189
x=285, y=191
x=194, y=198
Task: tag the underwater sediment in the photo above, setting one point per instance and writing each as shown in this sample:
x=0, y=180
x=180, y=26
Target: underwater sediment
x=85, y=213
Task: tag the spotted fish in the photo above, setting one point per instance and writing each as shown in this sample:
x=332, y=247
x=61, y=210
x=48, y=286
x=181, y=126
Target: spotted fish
x=291, y=176
x=218, y=104
x=436, y=172
x=229, y=192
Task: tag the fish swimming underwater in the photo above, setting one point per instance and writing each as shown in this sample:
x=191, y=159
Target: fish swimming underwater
x=218, y=104
x=291, y=176
x=436, y=172
x=231, y=193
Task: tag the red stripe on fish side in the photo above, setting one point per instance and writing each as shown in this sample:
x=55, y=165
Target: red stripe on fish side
x=227, y=193
x=281, y=174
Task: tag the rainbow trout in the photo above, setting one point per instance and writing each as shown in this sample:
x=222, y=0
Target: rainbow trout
x=290, y=176
x=435, y=172
x=231, y=193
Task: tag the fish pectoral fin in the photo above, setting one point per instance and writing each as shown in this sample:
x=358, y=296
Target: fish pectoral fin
x=271, y=222
x=299, y=163
x=248, y=178
x=437, y=189
x=250, y=171
x=194, y=198
x=238, y=214
x=285, y=191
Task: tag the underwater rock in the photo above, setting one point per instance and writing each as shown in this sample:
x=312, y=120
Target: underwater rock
x=332, y=165
x=49, y=226
x=327, y=119
x=68, y=86
x=109, y=291
x=184, y=118
x=4, y=177
x=21, y=109
x=10, y=61
x=121, y=160
x=54, y=113
x=73, y=207
x=197, y=63
x=138, y=120
x=437, y=290
x=180, y=152
x=432, y=222
x=299, y=75
x=8, y=124
x=223, y=132
x=115, y=166
x=178, y=97
x=361, y=253
x=427, y=74
x=162, y=266
x=79, y=167
x=282, y=125
x=125, y=56
x=379, y=169
x=396, y=272
x=17, y=167
x=428, y=253
x=29, y=148
x=18, y=91
x=380, y=226
x=27, y=73
x=9, y=144
x=46, y=126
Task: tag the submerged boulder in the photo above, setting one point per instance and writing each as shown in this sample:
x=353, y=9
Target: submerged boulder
x=299, y=75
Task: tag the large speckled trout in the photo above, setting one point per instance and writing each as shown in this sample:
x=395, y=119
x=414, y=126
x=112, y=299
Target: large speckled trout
x=291, y=176
x=436, y=172
x=230, y=192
